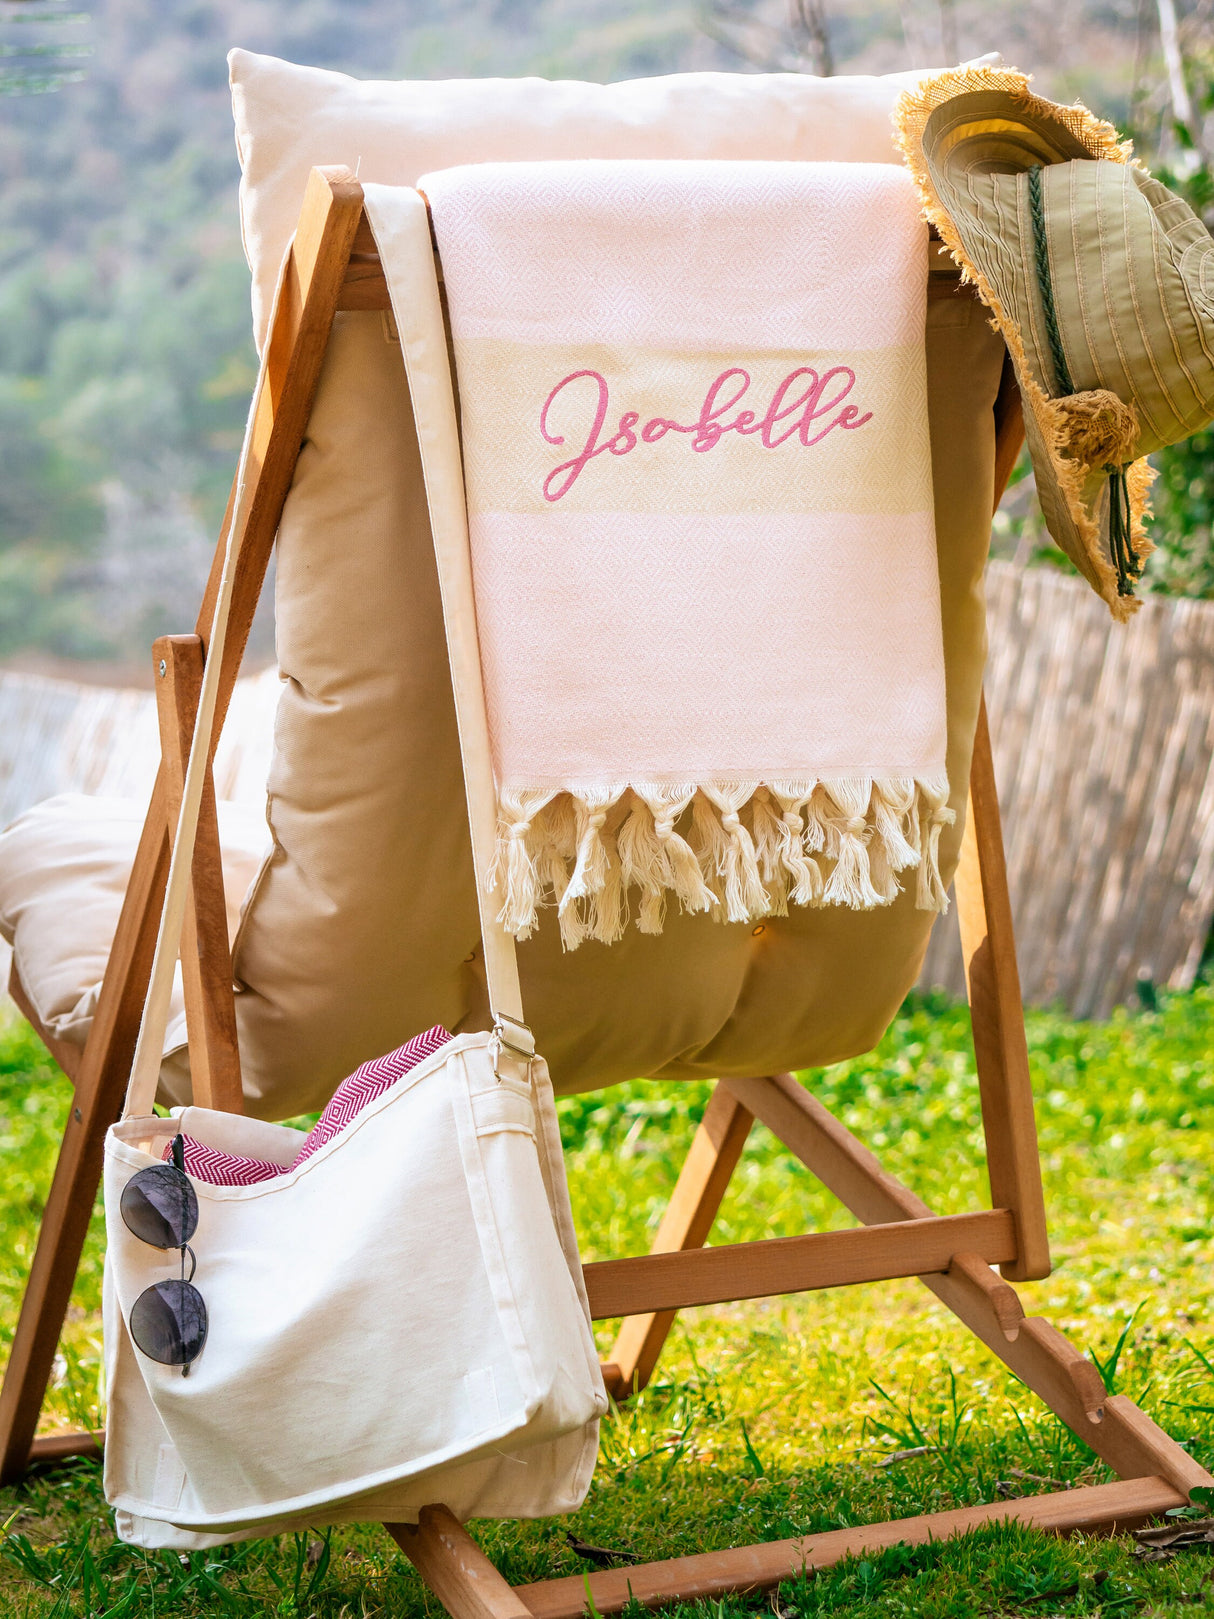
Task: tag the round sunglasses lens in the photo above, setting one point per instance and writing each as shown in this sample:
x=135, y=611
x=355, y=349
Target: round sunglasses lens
x=160, y=1206
x=169, y=1323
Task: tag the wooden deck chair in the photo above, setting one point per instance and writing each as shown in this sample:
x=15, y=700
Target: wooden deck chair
x=333, y=266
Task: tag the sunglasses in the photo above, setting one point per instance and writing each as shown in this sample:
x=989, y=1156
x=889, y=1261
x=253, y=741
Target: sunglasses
x=168, y=1319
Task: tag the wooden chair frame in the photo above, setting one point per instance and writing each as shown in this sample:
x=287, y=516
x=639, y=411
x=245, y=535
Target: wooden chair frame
x=333, y=265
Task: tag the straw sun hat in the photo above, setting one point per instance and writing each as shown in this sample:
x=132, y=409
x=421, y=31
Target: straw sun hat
x=1101, y=282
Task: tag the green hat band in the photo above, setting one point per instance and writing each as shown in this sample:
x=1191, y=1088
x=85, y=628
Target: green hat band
x=1121, y=547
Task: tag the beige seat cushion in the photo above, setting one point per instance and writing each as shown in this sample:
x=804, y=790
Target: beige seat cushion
x=290, y=118
x=362, y=929
x=63, y=871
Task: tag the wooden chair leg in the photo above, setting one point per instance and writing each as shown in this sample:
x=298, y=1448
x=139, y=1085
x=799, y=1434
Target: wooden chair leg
x=206, y=957
x=984, y=912
x=1112, y=1426
x=1156, y=1474
x=751, y=1569
x=455, y=1568
x=312, y=289
x=711, y=1160
x=100, y=1086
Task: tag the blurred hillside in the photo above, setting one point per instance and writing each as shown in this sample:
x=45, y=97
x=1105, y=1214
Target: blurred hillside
x=125, y=360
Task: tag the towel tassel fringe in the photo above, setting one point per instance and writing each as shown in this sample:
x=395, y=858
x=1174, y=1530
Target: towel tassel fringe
x=740, y=851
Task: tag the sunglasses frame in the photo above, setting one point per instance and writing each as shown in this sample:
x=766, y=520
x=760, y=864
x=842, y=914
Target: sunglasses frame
x=160, y=1175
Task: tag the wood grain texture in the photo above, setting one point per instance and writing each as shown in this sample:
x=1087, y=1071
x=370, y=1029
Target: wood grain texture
x=1122, y=1505
x=100, y=1084
x=992, y=979
x=58, y=1447
x=454, y=1567
x=206, y=956
x=365, y=287
x=984, y=914
x=713, y=1156
x=1040, y=1356
x=757, y=1270
x=286, y=386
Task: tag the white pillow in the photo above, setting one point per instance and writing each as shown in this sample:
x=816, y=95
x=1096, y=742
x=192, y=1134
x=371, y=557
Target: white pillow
x=289, y=119
x=64, y=866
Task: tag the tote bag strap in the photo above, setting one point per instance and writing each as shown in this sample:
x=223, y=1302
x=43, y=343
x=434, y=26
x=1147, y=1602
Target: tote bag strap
x=424, y=347
x=401, y=224
x=145, y=1068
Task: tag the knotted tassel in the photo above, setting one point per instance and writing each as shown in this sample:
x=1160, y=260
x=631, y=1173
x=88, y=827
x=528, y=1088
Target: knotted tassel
x=796, y=838
x=890, y=850
x=608, y=911
x=656, y=859
x=734, y=861
x=643, y=864
x=592, y=874
x=554, y=845
x=513, y=871
x=934, y=816
x=844, y=811
x=766, y=826
x=1098, y=429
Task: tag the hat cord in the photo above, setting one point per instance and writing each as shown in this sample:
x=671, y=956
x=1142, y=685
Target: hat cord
x=1045, y=285
x=1124, y=557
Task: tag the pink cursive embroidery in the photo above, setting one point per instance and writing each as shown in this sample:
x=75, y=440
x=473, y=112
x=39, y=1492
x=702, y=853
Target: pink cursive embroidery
x=801, y=407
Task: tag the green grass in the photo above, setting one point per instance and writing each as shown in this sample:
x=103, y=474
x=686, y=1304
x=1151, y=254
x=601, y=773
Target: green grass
x=774, y=1418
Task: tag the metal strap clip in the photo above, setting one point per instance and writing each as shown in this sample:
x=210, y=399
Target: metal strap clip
x=512, y=1036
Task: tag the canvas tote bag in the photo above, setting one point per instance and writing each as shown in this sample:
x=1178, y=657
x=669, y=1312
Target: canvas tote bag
x=402, y=1318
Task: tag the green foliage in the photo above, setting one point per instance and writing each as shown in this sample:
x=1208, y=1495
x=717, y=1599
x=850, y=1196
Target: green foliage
x=1183, y=494
x=779, y=1417
x=126, y=360
x=1183, y=525
x=125, y=355
x=1182, y=497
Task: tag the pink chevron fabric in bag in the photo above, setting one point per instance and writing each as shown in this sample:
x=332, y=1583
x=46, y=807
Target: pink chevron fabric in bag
x=219, y=1168
x=694, y=411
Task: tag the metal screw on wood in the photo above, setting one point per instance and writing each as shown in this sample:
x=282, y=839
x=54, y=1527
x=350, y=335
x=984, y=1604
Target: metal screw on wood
x=164, y=668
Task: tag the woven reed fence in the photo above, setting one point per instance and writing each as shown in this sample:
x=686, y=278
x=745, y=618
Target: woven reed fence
x=58, y=737
x=1104, y=753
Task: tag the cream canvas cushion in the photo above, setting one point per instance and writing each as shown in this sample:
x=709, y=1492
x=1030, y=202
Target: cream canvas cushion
x=289, y=119
x=361, y=928
x=63, y=871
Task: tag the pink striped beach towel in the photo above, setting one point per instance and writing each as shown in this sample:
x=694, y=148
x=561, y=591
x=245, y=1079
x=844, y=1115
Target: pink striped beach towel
x=354, y=1093
x=693, y=404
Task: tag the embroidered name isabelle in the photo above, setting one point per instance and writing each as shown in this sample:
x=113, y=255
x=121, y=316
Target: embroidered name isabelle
x=804, y=406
